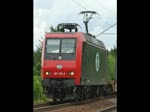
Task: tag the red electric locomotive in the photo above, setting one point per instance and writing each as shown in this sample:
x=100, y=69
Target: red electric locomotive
x=74, y=64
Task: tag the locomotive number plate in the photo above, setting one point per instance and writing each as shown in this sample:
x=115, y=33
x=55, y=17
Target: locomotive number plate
x=59, y=73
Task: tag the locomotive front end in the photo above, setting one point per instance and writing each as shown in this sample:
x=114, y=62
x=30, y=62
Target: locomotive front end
x=59, y=58
x=59, y=65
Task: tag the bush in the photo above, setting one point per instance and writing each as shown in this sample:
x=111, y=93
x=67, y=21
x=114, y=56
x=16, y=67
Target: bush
x=37, y=90
x=111, y=67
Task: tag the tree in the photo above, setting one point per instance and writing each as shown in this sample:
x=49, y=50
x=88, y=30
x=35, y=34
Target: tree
x=112, y=63
x=38, y=90
x=52, y=29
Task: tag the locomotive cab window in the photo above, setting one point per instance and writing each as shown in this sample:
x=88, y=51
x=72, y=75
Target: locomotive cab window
x=52, y=46
x=60, y=47
x=68, y=46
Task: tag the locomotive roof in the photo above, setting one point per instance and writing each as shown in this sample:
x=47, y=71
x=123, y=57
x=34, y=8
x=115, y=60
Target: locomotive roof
x=88, y=38
x=93, y=40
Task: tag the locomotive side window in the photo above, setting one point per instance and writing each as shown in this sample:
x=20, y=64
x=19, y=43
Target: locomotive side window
x=68, y=45
x=52, y=46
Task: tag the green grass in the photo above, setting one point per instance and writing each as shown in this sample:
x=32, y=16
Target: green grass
x=39, y=101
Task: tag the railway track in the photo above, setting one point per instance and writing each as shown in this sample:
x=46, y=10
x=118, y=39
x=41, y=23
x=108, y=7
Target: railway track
x=50, y=103
x=93, y=100
x=109, y=109
x=52, y=106
x=42, y=105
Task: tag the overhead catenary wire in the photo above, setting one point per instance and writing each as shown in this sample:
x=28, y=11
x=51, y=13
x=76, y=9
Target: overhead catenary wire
x=99, y=18
x=79, y=4
x=106, y=29
x=98, y=15
x=85, y=8
x=109, y=33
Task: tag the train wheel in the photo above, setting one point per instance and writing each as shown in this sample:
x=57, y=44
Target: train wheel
x=81, y=96
x=105, y=93
x=97, y=92
x=76, y=99
x=54, y=99
x=101, y=92
x=76, y=94
x=81, y=90
x=62, y=95
x=109, y=90
x=62, y=100
x=88, y=92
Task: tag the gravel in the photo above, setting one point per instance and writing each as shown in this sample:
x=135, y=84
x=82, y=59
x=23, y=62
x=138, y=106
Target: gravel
x=89, y=107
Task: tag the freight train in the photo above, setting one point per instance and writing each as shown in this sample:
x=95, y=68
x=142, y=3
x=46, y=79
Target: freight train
x=74, y=64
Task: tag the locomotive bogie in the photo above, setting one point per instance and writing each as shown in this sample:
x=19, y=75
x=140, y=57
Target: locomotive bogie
x=58, y=88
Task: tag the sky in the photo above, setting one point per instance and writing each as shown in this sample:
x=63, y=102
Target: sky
x=52, y=12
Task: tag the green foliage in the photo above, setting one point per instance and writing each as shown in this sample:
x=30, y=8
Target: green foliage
x=52, y=29
x=113, y=51
x=37, y=61
x=36, y=71
x=37, y=56
x=111, y=67
x=112, y=63
x=37, y=89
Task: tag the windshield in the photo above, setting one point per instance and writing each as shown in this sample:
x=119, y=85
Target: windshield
x=52, y=46
x=68, y=46
x=60, y=48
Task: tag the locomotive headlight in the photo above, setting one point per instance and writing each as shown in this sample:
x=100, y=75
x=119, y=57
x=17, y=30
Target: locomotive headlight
x=48, y=73
x=71, y=73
